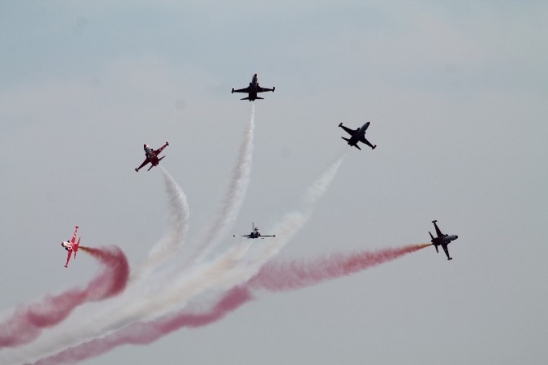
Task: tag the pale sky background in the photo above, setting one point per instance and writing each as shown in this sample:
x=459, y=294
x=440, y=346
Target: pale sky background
x=457, y=99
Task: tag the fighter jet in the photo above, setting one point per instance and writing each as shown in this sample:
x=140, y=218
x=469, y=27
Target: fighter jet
x=357, y=135
x=442, y=240
x=151, y=156
x=255, y=233
x=253, y=89
x=71, y=246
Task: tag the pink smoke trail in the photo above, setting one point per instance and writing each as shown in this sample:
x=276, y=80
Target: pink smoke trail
x=28, y=321
x=281, y=276
x=142, y=333
x=297, y=274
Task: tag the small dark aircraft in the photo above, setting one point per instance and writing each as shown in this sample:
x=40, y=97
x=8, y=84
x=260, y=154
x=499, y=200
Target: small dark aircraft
x=253, y=89
x=255, y=233
x=357, y=135
x=442, y=240
x=152, y=156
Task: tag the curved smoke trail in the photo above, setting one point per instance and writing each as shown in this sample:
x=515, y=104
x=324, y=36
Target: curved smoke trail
x=174, y=239
x=224, y=273
x=288, y=227
x=137, y=309
x=274, y=277
x=28, y=321
x=235, y=196
x=142, y=333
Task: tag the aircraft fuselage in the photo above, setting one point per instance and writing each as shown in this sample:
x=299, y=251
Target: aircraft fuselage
x=153, y=158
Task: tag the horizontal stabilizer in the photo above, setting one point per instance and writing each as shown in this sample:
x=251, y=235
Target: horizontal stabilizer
x=258, y=97
x=245, y=98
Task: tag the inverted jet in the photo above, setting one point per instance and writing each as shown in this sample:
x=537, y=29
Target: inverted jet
x=253, y=89
x=357, y=135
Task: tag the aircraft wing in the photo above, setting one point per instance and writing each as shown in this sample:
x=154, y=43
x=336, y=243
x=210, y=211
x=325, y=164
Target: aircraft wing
x=244, y=90
x=444, y=246
x=73, y=239
x=143, y=164
x=159, y=150
x=263, y=89
x=349, y=130
x=68, y=257
x=364, y=140
x=438, y=230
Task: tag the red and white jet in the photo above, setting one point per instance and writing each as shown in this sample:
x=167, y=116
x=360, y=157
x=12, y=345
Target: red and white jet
x=71, y=246
x=152, y=156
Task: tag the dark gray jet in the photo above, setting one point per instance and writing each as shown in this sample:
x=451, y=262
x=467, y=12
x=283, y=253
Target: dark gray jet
x=357, y=135
x=253, y=89
x=442, y=240
x=255, y=233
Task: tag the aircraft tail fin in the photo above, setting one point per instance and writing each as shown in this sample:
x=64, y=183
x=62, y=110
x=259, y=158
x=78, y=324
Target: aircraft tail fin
x=431, y=235
x=358, y=147
x=346, y=139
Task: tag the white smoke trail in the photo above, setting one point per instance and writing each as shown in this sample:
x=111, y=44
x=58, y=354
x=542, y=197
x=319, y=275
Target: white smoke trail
x=176, y=235
x=289, y=226
x=161, y=294
x=235, y=196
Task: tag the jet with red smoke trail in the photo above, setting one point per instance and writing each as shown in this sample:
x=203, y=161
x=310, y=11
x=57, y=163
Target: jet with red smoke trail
x=71, y=245
x=255, y=233
x=151, y=156
x=442, y=240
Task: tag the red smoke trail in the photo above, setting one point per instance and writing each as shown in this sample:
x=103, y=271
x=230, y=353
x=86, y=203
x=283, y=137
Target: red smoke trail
x=142, y=333
x=273, y=277
x=27, y=322
x=296, y=274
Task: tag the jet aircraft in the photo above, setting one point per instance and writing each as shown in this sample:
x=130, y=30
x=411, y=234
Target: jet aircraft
x=253, y=89
x=255, y=233
x=152, y=156
x=71, y=246
x=357, y=135
x=442, y=240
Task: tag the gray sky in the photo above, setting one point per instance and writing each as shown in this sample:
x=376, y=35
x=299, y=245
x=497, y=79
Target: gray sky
x=456, y=95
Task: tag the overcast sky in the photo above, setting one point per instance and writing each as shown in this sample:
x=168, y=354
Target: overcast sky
x=456, y=95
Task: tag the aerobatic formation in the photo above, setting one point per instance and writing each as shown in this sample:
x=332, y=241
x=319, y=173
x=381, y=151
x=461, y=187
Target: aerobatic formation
x=237, y=276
